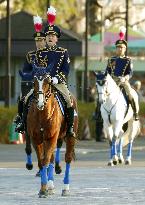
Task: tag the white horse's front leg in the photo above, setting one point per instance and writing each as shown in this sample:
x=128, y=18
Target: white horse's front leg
x=117, y=147
x=114, y=151
x=120, y=151
x=109, y=132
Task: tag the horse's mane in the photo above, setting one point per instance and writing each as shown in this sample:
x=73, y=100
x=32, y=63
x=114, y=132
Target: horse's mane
x=112, y=84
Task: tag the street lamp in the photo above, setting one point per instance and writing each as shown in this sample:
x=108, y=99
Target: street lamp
x=101, y=4
x=48, y=3
x=8, y=64
x=86, y=53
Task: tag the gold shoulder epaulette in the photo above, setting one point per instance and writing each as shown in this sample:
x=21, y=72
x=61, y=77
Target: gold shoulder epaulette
x=61, y=49
x=113, y=57
x=128, y=57
x=29, y=54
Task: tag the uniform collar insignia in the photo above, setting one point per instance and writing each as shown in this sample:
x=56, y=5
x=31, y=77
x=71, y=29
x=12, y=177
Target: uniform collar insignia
x=52, y=48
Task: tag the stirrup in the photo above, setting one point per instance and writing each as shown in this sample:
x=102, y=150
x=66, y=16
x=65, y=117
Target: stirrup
x=136, y=117
x=20, y=128
x=17, y=119
x=70, y=132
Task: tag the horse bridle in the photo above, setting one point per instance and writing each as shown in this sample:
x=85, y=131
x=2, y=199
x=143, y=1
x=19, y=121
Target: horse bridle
x=101, y=83
x=43, y=95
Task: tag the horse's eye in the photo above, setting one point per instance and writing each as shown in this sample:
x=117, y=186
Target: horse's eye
x=101, y=82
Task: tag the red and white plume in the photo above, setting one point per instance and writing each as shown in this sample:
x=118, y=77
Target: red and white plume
x=51, y=15
x=37, y=23
x=122, y=33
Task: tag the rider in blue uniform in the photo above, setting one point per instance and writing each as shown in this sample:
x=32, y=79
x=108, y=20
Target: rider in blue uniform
x=121, y=66
x=26, y=81
x=59, y=58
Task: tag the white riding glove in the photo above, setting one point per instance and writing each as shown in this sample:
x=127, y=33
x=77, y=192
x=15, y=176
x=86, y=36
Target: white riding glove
x=122, y=79
x=54, y=80
x=127, y=77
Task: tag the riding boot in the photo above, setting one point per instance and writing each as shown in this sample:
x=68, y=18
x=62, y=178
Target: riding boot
x=20, y=128
x=18, y=117
x=70, y=121
x=135, y=113
x=99, y=123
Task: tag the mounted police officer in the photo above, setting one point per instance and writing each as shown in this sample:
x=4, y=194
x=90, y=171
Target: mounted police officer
x=26, y=82
x=120, y=68
x=59, y=56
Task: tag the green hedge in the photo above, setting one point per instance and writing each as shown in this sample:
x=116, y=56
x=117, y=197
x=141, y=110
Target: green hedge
x=6, y=117
x=85, y=111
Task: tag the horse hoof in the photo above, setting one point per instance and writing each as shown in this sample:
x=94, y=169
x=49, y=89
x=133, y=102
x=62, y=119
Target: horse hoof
x=115, y=162
x=38, y=174
x=110, y=164
x=65, y=192
x=121, y=161
x=51, y=191
x=29, y=166
x=43, y=194
x=127, y=162
x=58, y=169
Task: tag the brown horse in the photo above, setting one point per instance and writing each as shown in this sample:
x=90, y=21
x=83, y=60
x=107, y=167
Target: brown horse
x=45, y=126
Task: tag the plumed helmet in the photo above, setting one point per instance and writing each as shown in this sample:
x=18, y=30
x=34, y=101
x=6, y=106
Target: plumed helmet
x=38, y=28
x=51, y=28
x=121, y=40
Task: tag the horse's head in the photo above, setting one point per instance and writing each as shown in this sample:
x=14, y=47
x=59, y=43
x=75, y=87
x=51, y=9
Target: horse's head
x=42, y=85
x=102, y=84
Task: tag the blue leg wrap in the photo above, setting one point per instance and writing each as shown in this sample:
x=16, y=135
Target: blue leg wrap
x=66, y=177
x=29, y=159
x=129, y=149
x=57, y=155
x=44, y=175
x=111, y=153
x=114, y=151
x=50, y=172
x=120, y=146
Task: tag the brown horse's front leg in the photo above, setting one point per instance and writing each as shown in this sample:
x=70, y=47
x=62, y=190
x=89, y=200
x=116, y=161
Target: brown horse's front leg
x=49, y=147
x=48, y=166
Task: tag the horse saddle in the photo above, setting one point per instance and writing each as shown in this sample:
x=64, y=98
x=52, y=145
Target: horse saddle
x=126, y=97
x=61, y=101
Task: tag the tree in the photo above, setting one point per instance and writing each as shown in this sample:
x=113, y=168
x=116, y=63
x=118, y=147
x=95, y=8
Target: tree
x=69, y=12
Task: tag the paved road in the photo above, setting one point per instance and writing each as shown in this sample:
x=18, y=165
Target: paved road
x=92, y=182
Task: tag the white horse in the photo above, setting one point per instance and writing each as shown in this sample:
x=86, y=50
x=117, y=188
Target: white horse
x=115, y=113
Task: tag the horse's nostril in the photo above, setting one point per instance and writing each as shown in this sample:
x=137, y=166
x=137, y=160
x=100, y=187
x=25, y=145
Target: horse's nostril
x=40, y=107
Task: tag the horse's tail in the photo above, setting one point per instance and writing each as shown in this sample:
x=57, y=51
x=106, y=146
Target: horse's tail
x=132, y=131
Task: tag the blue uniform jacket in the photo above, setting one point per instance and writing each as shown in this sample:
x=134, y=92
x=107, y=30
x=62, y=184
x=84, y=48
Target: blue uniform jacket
x=119, y=66
x=57, y=56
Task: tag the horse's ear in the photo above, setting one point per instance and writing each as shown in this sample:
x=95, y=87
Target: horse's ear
x=95, y=73
x=106, y=73
x=26, y=76
x=21, y=74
